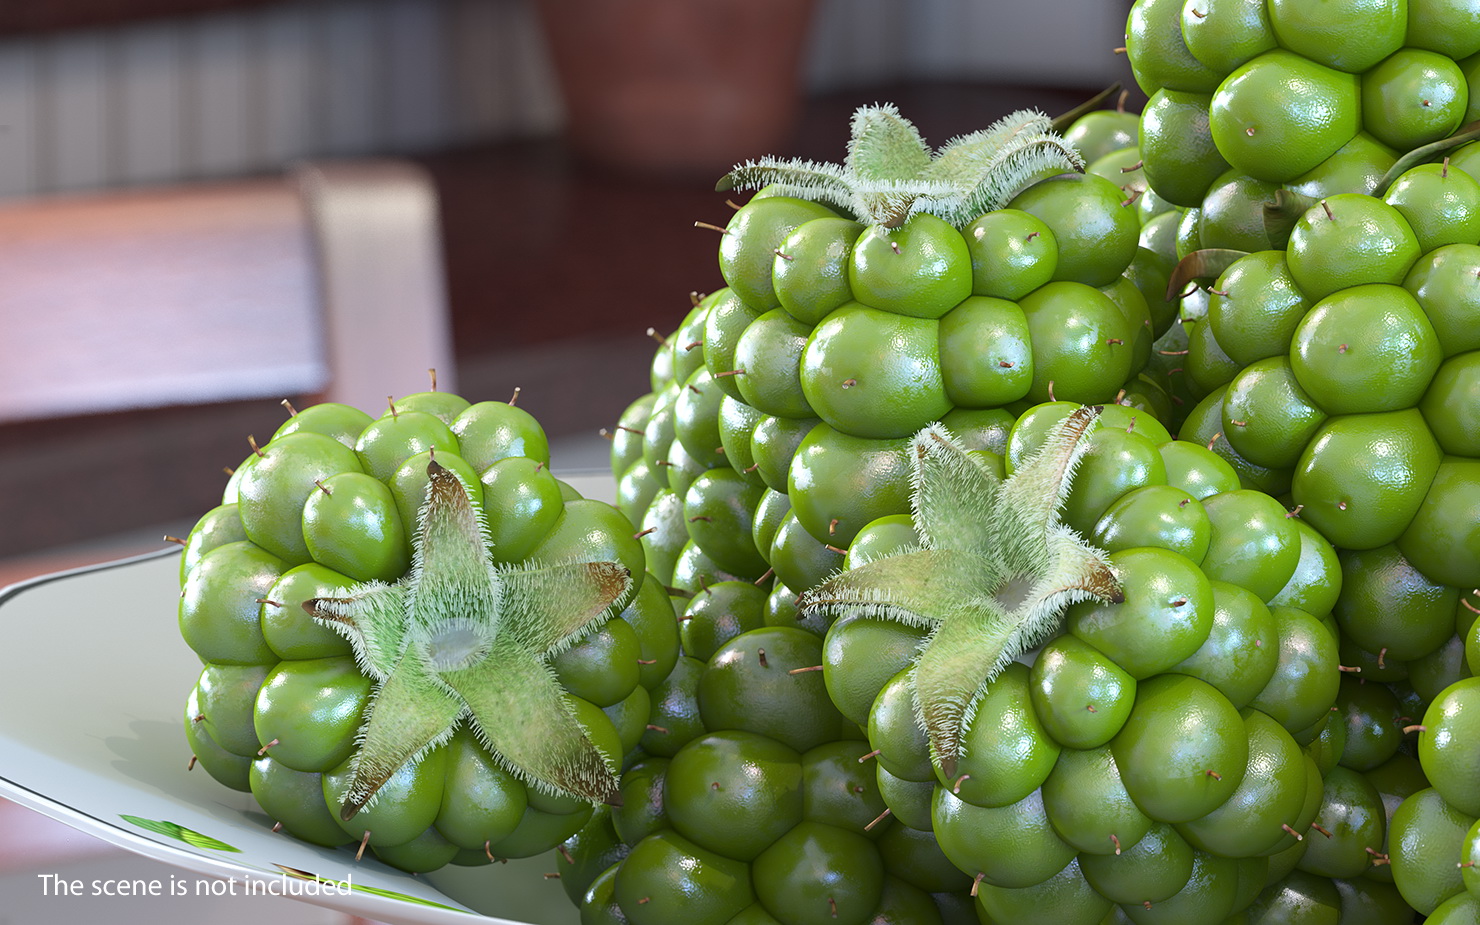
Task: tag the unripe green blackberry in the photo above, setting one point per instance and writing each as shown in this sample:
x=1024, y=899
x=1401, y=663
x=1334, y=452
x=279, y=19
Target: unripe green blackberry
x=416, y=638
x=1128, y=721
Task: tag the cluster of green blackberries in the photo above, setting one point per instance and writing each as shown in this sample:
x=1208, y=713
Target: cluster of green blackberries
x=1077, y=523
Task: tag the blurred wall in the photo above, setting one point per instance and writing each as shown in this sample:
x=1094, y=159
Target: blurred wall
x=246, y=91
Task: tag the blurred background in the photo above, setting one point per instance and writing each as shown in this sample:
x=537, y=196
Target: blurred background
x=209, y=206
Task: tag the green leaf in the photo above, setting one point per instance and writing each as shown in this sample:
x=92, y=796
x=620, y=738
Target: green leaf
x=1426, y=153
x=370, y=890
x=951, y=490
x=920, y=587
x=410, y=713
x=957, y=662
x=550, y=608
x=993, y=575
x=521, y=712
x=1208, y=263
x=1033, y=494
x=1281, y=215
x=890, y=173
x=180, y=833
x=820, y=182
x=460, y=639
x=885, y=145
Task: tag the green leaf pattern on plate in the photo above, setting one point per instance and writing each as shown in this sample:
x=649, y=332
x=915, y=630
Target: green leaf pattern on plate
x=176, y=831
x=197, y=840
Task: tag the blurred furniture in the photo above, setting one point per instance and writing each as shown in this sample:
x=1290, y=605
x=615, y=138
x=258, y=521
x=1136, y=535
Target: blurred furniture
x=144, y=334
x=326, y=282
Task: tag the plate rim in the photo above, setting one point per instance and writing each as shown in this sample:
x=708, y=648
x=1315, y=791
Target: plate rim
x=356, y=903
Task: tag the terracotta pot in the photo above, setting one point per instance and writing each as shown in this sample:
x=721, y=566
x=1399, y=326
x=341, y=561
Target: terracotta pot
x=678, y=86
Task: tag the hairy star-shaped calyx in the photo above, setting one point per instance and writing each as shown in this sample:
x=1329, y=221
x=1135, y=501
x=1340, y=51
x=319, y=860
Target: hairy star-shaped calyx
x=991, y=578
x=890, y=173
x=462, y=640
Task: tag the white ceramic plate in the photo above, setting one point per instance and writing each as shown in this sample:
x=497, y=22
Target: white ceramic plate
x=91, y=734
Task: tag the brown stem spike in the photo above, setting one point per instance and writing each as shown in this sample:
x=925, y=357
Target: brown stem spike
x=292, y=412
